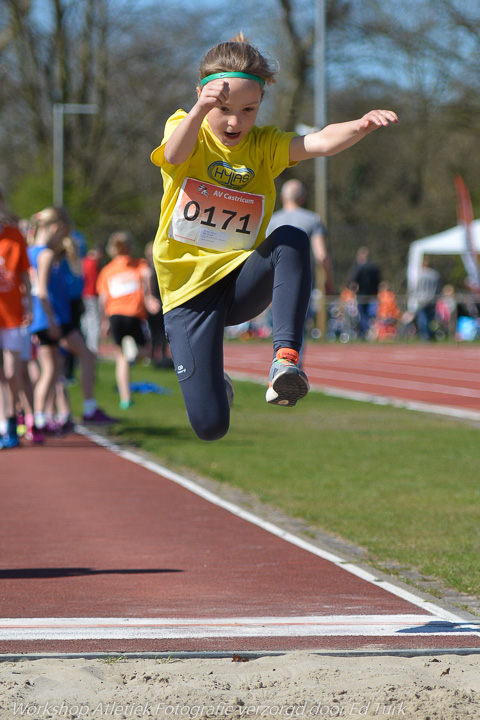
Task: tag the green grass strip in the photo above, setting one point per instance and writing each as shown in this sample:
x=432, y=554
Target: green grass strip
x=403, y=485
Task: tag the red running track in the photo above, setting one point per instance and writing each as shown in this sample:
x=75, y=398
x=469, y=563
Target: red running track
x=443, y=376
x=102, y=553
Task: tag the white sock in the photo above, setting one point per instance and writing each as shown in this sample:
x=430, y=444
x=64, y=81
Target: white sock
x=39, y=420
x=89, y=407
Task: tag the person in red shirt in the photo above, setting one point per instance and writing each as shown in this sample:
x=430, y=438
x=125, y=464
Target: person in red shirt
x=91, y=316
x=124, y=288
x=15, y=315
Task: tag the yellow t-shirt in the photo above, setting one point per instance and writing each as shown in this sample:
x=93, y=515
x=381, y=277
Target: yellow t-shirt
x=215, y=208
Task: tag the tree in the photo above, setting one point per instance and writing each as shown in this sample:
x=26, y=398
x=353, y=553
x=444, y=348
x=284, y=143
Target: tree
x=125, y=59
x=421, y=59
x=138, y=61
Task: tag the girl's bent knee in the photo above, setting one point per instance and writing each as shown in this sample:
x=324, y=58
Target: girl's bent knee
x=292, y=239
x=210, y=431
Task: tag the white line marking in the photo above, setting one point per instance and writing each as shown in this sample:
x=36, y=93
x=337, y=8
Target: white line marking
x=395, y=383
x=270, y=527
x=190, y=628
x=417, y=406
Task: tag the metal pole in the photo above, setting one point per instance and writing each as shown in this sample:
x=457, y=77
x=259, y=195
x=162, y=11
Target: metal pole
x=320, y=101
x=320, y=108
x=59, y=110
x=58, y=154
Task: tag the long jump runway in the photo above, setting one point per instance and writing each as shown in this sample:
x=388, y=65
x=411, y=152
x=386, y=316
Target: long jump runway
x=103, y=551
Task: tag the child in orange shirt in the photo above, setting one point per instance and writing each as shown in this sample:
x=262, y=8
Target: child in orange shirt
x=124, y=289
x=388, y=313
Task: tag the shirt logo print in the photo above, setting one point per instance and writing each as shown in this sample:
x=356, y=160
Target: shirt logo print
x=224, y=174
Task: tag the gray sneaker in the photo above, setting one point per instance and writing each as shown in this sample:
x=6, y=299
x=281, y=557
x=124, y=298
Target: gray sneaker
x=286, y=384
x=229, y=388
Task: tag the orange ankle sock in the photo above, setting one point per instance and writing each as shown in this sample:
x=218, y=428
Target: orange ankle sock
x=288, y=354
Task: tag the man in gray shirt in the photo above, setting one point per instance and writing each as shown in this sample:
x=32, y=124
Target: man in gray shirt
x=293, y=196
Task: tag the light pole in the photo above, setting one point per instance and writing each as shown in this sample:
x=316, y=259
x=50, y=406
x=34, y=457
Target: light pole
x=320, y=99
x=320, y=108
x=59, y=110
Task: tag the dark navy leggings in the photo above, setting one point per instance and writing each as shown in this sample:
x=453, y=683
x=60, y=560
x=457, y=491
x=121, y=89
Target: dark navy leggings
x=277, y=272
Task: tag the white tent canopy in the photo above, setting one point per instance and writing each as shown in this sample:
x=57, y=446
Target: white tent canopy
x=449, y=242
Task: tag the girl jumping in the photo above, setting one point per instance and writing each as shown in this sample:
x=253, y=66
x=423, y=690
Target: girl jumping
x=214, y=264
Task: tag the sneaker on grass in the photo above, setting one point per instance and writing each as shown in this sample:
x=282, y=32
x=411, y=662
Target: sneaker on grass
x=99, y=418
x=287, y=383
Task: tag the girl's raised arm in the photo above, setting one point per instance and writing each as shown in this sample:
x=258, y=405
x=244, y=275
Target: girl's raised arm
x=181, y=142
x=339, y=136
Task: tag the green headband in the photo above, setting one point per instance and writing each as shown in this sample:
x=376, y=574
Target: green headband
x=245, y=76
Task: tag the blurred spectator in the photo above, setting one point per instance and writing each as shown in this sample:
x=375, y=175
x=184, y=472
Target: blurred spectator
x=344, y=321
x=52, y=316
x=446, y=312
x=366, y=275
x=160, y=353
x=124, y=287
x=294, y=196
x=425, y=297
x=15, y=315
x=388, y=313
x=91, y=317
x=73, y=271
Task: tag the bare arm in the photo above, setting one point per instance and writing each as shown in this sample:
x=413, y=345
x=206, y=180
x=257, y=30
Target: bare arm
x=104, y=321
x=181, y=142
x=44, y=269
x=152, y=304
x=339, y=136
x=26, y=298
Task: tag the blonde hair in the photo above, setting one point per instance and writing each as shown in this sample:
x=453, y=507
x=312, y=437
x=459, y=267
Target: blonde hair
x=119, y=243
x=237, y=55
x=46, y=217
x=72, y=255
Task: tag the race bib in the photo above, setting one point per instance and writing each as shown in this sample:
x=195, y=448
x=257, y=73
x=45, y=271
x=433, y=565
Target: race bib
x=215, y=217
x=123, y=284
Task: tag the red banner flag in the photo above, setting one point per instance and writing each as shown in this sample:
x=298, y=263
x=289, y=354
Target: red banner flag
x=465, y=218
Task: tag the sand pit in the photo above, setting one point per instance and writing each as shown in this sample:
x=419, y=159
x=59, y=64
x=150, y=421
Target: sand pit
x=294, y=685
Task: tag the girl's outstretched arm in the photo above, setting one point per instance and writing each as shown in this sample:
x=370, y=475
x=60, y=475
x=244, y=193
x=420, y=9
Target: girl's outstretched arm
x=339, y=136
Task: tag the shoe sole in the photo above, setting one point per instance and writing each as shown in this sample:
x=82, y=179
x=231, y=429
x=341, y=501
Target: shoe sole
x=287, y=388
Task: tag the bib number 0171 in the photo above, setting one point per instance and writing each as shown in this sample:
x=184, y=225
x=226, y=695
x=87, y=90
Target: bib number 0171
x=192, y=211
